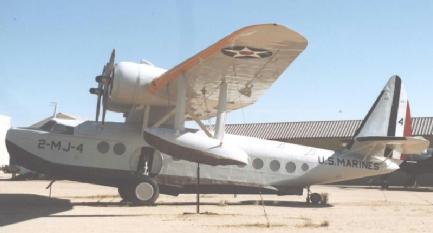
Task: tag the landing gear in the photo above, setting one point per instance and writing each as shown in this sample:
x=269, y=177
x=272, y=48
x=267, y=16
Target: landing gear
x=411, y=182
x=122, y=193
x=143, y=191
x=384, y=184
x=314, y=198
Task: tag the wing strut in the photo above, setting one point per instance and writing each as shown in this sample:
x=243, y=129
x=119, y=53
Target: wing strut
x=202, y=126
x=164, y=119
x=221, y=114
x=179, y=120
x=145, y=121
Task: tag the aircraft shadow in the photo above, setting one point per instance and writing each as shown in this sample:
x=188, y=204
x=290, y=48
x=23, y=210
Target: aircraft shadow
x=240, y=203
x=411, y=189
x=297, y=204
x=96, y=215
x=16, y=208
x=105, y=204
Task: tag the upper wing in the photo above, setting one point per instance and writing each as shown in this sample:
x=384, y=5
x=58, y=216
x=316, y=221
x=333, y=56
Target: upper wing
x=250, y=60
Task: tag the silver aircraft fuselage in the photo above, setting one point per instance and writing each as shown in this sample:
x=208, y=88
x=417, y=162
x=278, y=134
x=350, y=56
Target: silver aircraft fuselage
x=109, y=154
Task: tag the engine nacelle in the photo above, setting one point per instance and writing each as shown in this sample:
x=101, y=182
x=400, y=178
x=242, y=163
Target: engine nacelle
x=129, y=84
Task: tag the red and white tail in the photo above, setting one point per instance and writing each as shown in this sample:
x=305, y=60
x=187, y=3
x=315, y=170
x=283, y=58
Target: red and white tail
x=387, y=126
x=406, y=128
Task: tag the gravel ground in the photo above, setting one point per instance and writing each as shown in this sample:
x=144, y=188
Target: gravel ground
x=77, y=207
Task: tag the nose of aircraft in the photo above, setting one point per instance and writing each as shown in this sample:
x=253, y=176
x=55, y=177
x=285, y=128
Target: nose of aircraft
x=16, y=141
x=11, y=144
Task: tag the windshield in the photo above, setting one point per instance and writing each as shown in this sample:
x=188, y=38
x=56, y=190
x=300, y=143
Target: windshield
x=54, y=127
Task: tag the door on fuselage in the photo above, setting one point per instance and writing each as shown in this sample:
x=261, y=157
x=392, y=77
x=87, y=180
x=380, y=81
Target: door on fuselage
x=149, y=162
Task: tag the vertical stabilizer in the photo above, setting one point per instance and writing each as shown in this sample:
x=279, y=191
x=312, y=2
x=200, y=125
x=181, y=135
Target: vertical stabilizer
x=389, y=117
x=390, y=114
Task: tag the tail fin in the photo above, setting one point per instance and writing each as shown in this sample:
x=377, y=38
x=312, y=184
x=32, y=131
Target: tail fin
x=390, y=113
x=388, y=123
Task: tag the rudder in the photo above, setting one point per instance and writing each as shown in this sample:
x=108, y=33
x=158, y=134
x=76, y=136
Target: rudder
x=389, y=117
x=390, y=114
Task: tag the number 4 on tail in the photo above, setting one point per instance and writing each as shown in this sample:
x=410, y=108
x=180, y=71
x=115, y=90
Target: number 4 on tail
x=401, y=121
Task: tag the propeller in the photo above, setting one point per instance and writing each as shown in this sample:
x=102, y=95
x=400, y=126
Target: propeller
x=105, y=83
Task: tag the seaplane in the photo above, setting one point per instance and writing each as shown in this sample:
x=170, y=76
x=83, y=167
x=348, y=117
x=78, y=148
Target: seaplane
x=152, y=152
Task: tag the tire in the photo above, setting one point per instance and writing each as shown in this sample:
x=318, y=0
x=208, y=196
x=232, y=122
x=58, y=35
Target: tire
x=315, y=198
x=143, y=191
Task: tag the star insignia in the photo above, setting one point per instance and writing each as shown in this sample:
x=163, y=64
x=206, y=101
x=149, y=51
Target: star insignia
x=245, y=52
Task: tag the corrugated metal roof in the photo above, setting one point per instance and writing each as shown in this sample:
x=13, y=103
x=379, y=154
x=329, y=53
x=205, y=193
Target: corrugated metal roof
x=316, y=129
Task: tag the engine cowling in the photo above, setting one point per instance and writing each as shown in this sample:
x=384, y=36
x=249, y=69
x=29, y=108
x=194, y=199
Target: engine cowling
x=129, y=84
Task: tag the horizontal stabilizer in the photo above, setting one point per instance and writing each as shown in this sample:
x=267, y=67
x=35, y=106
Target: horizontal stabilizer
x=404, y=145
x=195, y=146
x=386, y=130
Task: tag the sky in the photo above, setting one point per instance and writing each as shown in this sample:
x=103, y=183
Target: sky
x=50, y=51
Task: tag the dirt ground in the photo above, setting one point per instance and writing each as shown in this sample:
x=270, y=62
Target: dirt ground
x=76, y=207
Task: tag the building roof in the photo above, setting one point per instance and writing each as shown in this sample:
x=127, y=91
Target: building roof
x=316, y=129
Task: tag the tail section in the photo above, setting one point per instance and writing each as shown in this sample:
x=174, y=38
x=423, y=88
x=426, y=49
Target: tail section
x=389, y=115
x=387, y=128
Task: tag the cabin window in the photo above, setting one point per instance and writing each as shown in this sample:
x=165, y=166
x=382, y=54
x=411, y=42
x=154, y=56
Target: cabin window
x=305, y=167
x=103, y=147
x=119, y=148
x=257, y=163
x=290, y=167
x=274, y=165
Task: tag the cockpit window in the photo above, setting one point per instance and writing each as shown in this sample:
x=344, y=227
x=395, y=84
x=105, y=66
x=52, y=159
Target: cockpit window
x=54, y=127
x=62, y=129
x=48, y=126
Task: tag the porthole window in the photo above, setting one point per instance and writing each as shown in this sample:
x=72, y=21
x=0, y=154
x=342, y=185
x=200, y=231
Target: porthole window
x=274, y=165
x=305, y=167
x=257, y=163
x=290, y=167
x=119, y=148
x=103, y=147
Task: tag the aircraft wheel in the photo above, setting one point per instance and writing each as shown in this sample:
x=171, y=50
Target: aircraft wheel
x=385, y=185
x=144, y=191
x=315, y=198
